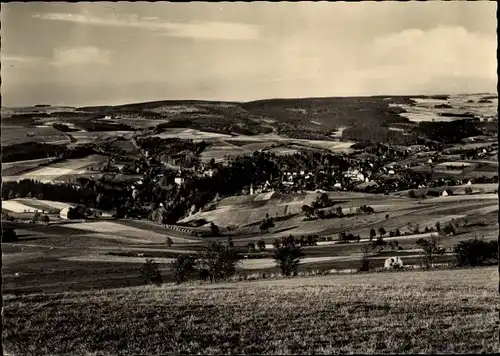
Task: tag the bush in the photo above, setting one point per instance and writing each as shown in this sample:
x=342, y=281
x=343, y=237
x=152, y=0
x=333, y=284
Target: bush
x=8, y=235
x=151, y=272
x=219, y=261
x=168, y=241
x=214, y=229
x=476, y=252
x=182, y=267
x=288, y=258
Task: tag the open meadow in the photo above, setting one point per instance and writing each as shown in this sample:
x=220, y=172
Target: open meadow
x=441, y=311
x=63, y=171
x=43, y=134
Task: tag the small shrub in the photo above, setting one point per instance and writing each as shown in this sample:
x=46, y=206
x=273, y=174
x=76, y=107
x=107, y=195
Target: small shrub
x=151, y=272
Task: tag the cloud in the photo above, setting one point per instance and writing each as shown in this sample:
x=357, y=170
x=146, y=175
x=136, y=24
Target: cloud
x=209, y=30
x=19, y=59
x=445, y=51
x=80, y=55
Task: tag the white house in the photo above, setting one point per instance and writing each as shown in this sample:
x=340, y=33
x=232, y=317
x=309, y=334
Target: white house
x=179, y=180
x=393, y=262
x=391, y=171
x=63, y=214
x=360, y=177
x=446, y=193
x=337, y=185
x=208, y=173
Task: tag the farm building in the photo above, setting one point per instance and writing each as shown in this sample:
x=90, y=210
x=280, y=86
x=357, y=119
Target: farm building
x=446, y=193
x=393, y=262
x=63, y=214
x=179, y=180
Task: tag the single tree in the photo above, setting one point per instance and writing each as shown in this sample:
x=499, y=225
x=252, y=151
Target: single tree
x=261, y=244
x=381, y=231
x=373, y=233
x=386, y=216
x=449, y=229
x=168, y=241
x=36, y=217
x=287, y=259
x=431, y=250
x=251, y=247
x=214, y=229
x=307, y=210
x=183, y=266
x=219, y=260
x=264, y=226
x=230, y=242
x=365, y=261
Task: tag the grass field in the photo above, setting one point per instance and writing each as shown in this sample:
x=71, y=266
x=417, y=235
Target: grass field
x=22, y=205
x=60, y=171
x=442, y=311
x=43, y=134
x=246, y=211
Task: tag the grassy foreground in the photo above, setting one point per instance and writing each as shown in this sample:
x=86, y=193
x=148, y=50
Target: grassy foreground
x=442, y=311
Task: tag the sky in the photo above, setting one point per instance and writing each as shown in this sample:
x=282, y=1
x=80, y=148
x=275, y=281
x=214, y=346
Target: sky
x=109, y=53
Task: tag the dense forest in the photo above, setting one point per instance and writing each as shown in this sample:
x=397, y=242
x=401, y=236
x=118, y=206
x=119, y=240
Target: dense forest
x=35, y=150
x=448, y=132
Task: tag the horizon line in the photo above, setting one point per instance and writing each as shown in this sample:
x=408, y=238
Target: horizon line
x=246, y=101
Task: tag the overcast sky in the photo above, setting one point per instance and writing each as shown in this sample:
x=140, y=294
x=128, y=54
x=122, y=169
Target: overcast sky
x=112, y=53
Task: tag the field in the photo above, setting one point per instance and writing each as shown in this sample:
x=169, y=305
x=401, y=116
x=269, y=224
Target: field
x=444, y=311
x=189, y=134
x=21, y=205
x=43, y=134
x=425, y=109
x=247, y=211
x=16, y=168
x=60, y=171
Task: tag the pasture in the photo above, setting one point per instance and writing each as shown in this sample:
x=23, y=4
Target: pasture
x=22, y=205
x=189, y=134
x=19, y=167
x=442, y=311
x=60, y=171
x=42, y=134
